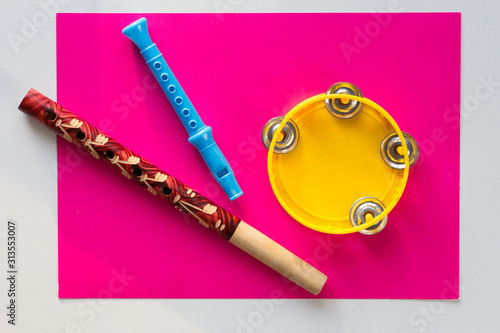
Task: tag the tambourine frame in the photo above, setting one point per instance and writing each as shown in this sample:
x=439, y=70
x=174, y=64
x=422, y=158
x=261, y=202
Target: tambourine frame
x=272, y=172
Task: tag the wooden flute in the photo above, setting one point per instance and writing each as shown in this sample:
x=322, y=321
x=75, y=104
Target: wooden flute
x=166, y=187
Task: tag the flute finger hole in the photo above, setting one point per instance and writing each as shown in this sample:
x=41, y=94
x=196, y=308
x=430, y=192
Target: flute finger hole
x=166, y=190
x=192, y=124
x=185, y=112
x=157, y=65
x=80, y=135
x=50, y=114
x=137, y=172
x=109, y=154
x=164, y=77
x=171, y=88
x=178, y=100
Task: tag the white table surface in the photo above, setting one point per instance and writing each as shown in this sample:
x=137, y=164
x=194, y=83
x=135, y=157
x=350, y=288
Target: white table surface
x=28, y=193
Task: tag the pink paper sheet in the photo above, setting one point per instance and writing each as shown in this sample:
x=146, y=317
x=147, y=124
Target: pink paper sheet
x=116, y=240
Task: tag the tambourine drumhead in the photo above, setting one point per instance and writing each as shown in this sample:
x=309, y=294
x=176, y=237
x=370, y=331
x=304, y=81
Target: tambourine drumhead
x=336, y=162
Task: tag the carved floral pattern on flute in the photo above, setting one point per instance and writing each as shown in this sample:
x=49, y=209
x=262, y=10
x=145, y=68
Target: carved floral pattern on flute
x=132, y=166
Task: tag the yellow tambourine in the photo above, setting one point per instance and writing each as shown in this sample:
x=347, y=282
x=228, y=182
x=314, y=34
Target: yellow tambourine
x=339, y=162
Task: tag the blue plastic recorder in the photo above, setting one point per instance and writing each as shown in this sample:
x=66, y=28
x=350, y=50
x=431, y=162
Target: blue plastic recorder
x=199, y=134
